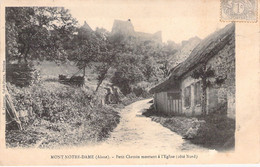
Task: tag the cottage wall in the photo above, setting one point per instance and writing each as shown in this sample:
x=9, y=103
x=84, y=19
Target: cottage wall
x=193, y=109
x=219, y=96
x=160, y=101
x=224, y=66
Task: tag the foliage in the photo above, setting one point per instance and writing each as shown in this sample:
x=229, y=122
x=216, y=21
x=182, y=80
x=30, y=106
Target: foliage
x=87, y=46
x=220, y=80
x=111, y=48
x=36, y=33
x=204, y=73
x=164, y=67
x=148, y=67
x=155, y=52
x=133, y=59
x=49, y=104
x=153, y=58
x=141, y=89
x=102, y=74
x=128, y=72
x=217, y=133
x=50, y=33
x=61, y=116
x=22, y=74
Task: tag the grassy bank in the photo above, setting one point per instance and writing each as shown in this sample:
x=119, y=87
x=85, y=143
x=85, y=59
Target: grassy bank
x=212, y=131
x=56, y=115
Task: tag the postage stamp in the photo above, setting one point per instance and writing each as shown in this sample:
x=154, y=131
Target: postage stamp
x=239, y=10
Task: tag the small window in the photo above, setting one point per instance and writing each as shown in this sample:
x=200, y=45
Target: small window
x=187, y=96
x=197, y=93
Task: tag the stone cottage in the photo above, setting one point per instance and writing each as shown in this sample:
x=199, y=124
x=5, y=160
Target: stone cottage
x=181, y=93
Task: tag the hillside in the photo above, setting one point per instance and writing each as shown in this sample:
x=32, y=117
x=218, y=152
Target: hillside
x=57, y=103
x=50, y=71
x=184, y=51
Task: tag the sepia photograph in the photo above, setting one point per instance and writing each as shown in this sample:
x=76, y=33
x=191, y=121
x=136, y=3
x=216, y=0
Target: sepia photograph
x=69, y=84
x=156, y=79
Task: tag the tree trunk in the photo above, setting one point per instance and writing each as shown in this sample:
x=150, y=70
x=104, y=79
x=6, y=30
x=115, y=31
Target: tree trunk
x=26, y=54
x=98, y=85
x=204, y=97
x=84, y=70
x=102, y=78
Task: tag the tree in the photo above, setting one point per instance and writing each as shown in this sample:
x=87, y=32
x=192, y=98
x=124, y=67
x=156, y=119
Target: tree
x=148, y=67
x=203, y=73
x=119, y=48
x=113, y=46
x=84, y=48
x=159, y=53
x=90, y=46
x=37, y=33
x=165, y=68
x=102, y=72
x=128, y=72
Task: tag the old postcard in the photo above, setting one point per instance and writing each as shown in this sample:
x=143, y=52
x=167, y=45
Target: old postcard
x=116, y=82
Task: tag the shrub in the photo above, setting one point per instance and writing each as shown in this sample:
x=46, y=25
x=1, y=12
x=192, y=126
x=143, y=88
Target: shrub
x=142, y=89
x=48, y=103
x=22, y=75
x=61, y=115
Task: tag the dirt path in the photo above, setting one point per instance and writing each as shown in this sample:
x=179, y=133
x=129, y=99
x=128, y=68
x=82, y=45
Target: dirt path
x=136, y=131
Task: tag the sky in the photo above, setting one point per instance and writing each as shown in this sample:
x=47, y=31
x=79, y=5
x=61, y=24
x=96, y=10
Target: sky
x=177, y=19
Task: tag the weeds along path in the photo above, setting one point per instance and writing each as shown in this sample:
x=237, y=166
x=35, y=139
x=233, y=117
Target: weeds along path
x=137, y=132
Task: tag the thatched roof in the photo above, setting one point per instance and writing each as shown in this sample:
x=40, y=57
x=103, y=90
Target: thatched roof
x=202, y=53
x=170, y=83
x=206, y=49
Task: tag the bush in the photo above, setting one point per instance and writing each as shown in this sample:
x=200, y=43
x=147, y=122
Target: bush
x=141, y=89
x=62, y=116
x=22, y=75
x=218, y=132
x=220, y=109
x=47, y=103
x=128, y=72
